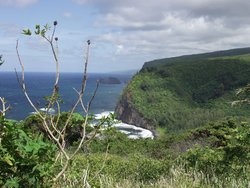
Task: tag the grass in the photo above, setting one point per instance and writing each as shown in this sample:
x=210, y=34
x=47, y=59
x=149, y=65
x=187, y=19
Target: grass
x=178, y=177
x=174, y=97
x=215, y=155
x=224, y=162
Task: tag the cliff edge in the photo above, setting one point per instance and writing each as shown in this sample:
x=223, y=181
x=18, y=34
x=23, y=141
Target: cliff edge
x=186, y=92
x=127, y=113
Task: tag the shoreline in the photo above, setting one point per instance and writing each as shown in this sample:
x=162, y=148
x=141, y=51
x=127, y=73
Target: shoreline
x=132, y=131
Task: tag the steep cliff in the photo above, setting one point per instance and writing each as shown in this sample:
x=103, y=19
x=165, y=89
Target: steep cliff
x=186, y=92
x=128, y=114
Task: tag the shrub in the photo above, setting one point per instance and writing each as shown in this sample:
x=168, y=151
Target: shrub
x=25, y=159
x=230, y=154
x=135, y=167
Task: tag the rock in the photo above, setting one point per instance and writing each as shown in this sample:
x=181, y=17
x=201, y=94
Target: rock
x=110, y=80
x=128, y=114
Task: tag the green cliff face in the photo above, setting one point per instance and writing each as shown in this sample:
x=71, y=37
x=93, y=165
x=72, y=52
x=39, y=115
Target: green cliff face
x=186, y=92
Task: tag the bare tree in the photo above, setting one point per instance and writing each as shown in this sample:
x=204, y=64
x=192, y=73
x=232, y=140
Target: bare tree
x=50, y=122
x=4, y=108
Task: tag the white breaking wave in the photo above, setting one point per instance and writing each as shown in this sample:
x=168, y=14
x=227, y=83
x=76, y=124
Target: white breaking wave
x=50, y=110
x=131, y=131
x=103, y=114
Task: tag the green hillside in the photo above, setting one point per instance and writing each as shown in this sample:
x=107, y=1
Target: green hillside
x=188, y=91
x=174, y=96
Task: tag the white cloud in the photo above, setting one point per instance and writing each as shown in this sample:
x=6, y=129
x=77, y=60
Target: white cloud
x=17, y=3
x=67, y=14
x=138, y=31
x=197, y=24
x=119, y=49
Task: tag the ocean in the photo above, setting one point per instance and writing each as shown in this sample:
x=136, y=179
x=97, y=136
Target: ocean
x=40, y=85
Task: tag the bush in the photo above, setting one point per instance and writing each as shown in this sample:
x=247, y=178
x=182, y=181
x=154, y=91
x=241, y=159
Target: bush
x=134, y=167
x=25, y=159
x=230, y=155
x=33, y=124
x=119, y=144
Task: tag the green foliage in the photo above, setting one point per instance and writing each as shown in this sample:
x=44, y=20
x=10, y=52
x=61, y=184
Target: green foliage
x=136, y=167
x=27, y=32
x=25, y=159
x=33, y=124
x=119, y=144
x=38, y=30
x=52, y=99
x=242, y=52
x=229, y=153
x=172, y=94
x=224, y=162
x=149, y=162
x=243, y=95
x=178, y=177
x=184, y=93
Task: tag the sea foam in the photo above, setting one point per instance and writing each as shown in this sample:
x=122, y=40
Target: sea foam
x=131, y=131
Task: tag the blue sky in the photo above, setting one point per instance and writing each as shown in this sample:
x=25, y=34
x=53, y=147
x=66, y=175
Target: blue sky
x=124, y=33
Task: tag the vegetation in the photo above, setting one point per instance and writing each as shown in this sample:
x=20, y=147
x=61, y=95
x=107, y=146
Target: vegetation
x=186, y=99
x=57, y=127
x=25, y=159
x=188, y=92
x=211, y=156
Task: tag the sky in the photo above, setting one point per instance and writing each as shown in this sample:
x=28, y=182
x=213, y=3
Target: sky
x=124, y=33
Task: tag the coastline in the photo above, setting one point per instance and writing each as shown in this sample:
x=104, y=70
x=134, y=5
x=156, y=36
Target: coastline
x=132, y=131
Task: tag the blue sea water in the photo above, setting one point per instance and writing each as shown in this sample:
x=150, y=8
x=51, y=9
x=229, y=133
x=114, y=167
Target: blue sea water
x=40, y=85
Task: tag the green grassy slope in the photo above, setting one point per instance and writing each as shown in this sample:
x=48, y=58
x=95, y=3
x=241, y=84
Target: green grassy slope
x=189, y=91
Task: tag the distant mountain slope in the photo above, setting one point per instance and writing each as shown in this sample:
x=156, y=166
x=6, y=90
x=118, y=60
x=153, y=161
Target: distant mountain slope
x=222, y=53
x=187, y=91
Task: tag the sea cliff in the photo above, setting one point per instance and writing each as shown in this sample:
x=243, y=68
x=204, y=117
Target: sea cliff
x=126, y=112
x=185, y=92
